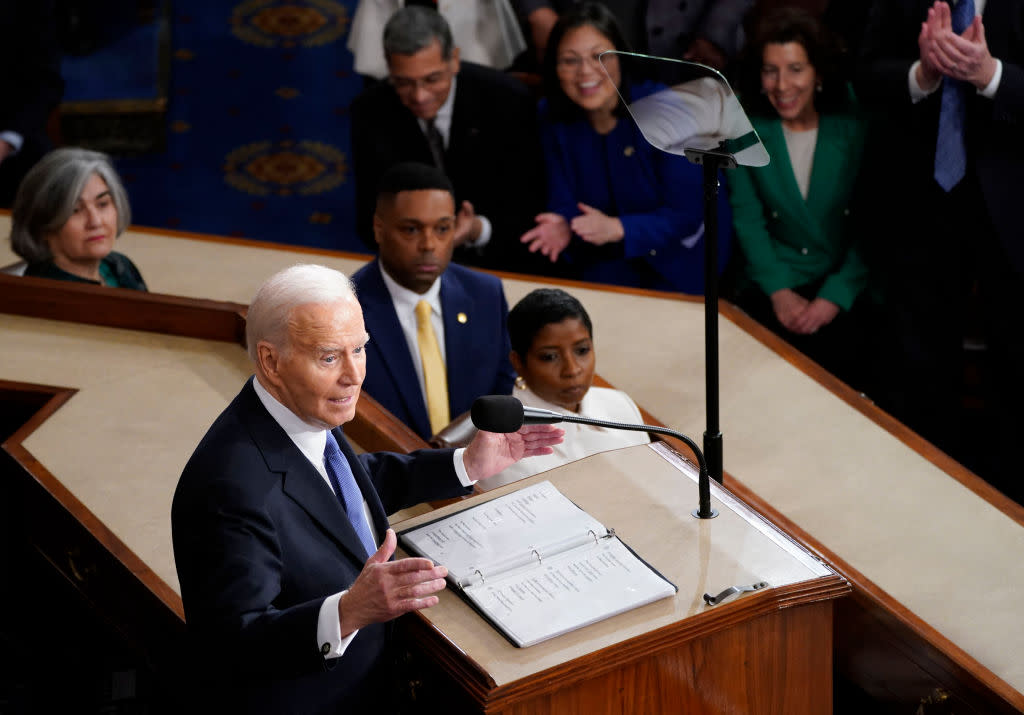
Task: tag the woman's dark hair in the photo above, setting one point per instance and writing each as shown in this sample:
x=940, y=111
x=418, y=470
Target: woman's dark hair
x=538, y=308
x=596, y=15
x=824, y=51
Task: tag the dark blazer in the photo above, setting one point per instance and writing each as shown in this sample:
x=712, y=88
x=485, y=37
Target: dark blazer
x=260, y=540
x=32, y=84
x=904, y=150
x=493, y=157
x=476, y=348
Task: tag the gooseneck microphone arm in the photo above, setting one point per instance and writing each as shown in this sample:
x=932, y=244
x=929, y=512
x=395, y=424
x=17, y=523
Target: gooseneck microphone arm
x=504, y=413
x=704, y=510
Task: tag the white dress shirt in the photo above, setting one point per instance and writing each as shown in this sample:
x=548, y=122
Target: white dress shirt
x=405, y=302
x=443, y=124
x=311, y=442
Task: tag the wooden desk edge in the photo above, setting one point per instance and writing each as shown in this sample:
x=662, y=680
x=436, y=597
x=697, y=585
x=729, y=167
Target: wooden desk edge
x=483, y=690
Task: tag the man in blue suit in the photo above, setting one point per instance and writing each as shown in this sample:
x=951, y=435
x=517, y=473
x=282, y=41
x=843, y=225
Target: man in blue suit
x=414, y=227
x=281, y=539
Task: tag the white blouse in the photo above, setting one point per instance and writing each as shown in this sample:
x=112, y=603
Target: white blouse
x=600, y=403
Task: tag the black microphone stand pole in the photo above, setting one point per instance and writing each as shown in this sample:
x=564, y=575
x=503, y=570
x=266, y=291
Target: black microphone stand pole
x=711, y=161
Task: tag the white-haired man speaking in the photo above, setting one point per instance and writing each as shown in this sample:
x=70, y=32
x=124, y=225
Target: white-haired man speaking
x=281, y=538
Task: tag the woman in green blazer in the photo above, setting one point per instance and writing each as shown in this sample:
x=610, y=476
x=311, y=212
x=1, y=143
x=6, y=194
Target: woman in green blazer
x=801, y=271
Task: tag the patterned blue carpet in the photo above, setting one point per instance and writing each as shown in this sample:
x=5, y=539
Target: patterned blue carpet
x=258, y=127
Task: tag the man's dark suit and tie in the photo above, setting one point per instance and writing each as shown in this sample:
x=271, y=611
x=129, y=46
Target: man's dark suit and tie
x=287, y=605
x=949, y=231
x=414, y=226
x=484, y=129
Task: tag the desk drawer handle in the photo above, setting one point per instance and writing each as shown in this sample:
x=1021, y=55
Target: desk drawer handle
x=732, y=591
x=79, y=574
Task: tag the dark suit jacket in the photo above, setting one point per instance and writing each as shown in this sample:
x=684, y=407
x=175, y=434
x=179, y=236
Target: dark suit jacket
x=903, y=152
x=476, y=350
x=260, y=540
x=493, y=157
x=30, y=59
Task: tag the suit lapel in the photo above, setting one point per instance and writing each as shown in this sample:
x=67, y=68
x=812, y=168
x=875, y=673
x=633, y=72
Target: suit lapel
x=828, y=153
x=299, y=480
x=388, y=341
x=465, y=131
x=457, y=308
x=785, y=186
x=406, y=125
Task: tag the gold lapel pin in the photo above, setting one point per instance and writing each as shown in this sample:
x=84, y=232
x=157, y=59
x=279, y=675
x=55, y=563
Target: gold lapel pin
x=462, y=318
x=629, y=151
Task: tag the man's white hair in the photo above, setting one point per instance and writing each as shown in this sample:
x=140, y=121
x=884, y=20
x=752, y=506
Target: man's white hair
x=286, y=290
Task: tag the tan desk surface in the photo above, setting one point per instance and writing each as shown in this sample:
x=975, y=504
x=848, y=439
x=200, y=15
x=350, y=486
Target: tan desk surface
x=946, y=554
x=647, y=500
x=144, y=402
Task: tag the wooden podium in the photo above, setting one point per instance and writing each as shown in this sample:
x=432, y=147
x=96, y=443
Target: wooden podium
x=923, y=543
x=768, y=651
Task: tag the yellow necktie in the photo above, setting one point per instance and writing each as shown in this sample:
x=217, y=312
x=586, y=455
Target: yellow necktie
x=434, y=373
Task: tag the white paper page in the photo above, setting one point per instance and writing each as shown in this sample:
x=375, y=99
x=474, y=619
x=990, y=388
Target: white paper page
x=504, y=531
x=569, y=591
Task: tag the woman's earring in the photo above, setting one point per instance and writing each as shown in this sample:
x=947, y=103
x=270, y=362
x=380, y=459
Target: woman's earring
x=520, y=382
x=817, y=87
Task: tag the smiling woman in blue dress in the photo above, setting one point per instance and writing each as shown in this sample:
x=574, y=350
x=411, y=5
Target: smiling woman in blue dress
x=619, y=210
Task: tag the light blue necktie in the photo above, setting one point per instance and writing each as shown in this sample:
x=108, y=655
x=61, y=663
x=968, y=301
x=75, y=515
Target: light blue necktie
x=950, y=148
x=348, y=491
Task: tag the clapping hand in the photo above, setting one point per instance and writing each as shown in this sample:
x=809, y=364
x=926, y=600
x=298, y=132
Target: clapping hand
x=467, y=226
x=964, y=57
x=550, y=236
x=596, y=227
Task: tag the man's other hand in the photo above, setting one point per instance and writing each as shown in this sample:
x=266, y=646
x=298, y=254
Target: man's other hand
x=387, y=589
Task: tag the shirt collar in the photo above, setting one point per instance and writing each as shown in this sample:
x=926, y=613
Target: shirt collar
x=443, y=118
x=535, y=400
x=405, y=300
x=309, y=439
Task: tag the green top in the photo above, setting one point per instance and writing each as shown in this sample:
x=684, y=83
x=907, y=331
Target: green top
x=788, y=241
x=116, y=270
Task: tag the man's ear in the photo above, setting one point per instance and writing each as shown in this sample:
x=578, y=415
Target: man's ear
x=267, y=358
x=378, y=227
x=455, y=60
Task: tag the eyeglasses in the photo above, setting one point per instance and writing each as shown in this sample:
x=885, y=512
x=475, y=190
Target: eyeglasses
x=433, y=81
x=571, y=63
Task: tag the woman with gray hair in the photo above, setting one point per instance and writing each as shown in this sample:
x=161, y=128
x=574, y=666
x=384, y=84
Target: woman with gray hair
x=69, y=210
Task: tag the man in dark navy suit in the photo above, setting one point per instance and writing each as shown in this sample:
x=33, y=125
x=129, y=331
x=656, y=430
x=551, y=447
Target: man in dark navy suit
x=281, y=539
x=414, y=226
x=950, y=239
x=476, y=124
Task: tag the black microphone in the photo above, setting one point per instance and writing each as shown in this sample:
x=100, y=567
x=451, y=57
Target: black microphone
x=505, y=413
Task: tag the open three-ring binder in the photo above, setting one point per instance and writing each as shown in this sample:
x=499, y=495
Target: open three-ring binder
x=535, y=565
